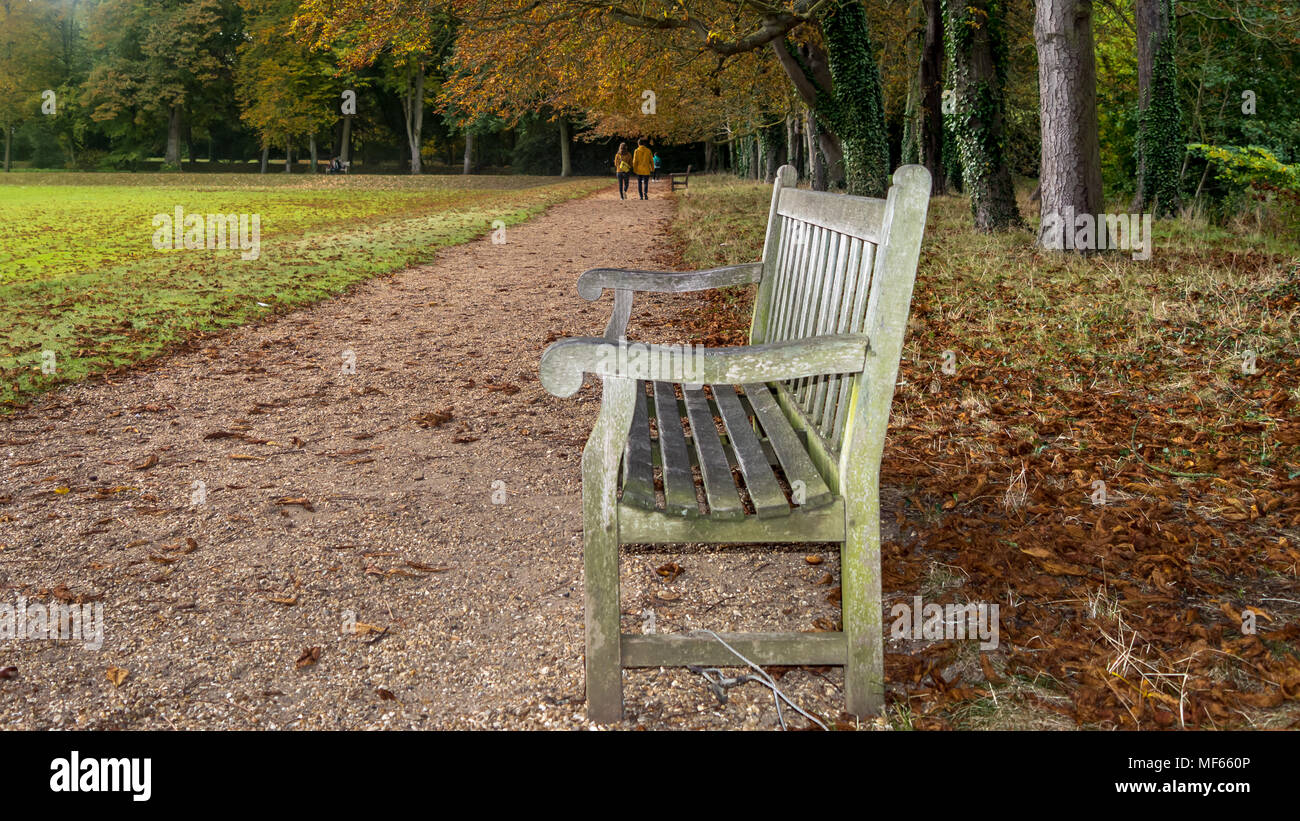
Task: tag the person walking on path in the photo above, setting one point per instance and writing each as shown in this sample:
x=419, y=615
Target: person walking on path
x=643, y=165
x=656, y=174
x=623, y=166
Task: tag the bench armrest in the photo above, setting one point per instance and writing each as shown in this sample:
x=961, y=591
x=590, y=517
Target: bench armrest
x=564, y=362
x=592, y=282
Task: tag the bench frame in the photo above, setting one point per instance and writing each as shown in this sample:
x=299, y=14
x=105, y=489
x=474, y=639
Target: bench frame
x=852, y=474
x=683, y=182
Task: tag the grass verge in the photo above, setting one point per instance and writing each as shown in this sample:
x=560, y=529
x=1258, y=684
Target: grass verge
x=80, y=278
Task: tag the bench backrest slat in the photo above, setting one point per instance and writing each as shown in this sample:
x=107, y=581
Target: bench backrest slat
x=821, y=264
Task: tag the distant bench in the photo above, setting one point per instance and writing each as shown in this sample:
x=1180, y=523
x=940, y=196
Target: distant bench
x=680, y=179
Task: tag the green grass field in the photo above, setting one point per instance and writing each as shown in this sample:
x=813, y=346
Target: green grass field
x=79, y=274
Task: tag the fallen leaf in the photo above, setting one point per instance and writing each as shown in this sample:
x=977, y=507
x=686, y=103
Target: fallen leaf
x=433, y=419
x=386, y=695
x=669, y=571
x=813, y=559
x=8, y=672
x=427, y=568
x=145, y=463
x=117, y=675
x=309, y=656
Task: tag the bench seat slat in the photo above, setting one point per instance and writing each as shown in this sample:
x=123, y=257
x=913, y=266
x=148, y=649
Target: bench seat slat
x=679, y=482
x=764, y=492
x=789, y=447
x=638, y=459
x=715, y=466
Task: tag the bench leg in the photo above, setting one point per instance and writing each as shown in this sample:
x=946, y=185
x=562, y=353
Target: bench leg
x=604, y=653
x=864, y=669
x=600, y=461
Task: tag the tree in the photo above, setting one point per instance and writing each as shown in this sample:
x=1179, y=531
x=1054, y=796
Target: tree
x=931, y=88
x=26, y=50
x=154, y=57
x=414, y=39
x=1160, y=136
x=977, y=76
x=284, y=89
x=1070, y=172
x=853, y=106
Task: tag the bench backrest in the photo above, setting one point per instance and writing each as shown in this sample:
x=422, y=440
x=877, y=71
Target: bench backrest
x=834, y=263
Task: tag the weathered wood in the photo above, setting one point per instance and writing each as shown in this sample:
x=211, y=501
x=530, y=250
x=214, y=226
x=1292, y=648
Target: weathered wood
x=790, y=449
x=836, y=272
x=638, y=460
x=677, y=649
x=886, y=322
x=855, y=216
x=592, y=282
x=764, y=491
x=564, y=362
x=674, y=458
x=715, y=466
x=600, y=460
x=775, y=243
x=824, y=524
x=619, y=317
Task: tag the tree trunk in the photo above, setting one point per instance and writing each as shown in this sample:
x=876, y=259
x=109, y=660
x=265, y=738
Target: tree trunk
x=1067, y=81
x=710, y=155
x=9, y=135
x=266, y=156
x=312, y=143
x=173, y=155
x=857, y=112
x=976, y=74
x=288, y=157
x=469, y=153
x=345, y=144
x=792, y=142
x=1159, y=139
x=931, y=114
x=413, y=104
x=189, y=146
x=566, y=166
x=818, y=173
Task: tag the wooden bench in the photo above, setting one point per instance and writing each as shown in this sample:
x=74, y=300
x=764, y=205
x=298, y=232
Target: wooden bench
x=803, y=411
x=680, y=180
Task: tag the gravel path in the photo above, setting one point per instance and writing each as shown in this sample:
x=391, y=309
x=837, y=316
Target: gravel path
x=278, y=542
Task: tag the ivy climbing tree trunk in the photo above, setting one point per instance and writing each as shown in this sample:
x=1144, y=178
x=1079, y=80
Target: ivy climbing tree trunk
x=1160, y=139
x=931, y=83
x=1070, y=168
x=855, y=110
x=976, y=50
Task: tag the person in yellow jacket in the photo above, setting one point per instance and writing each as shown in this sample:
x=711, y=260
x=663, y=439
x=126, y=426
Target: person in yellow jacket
x=623, y=167
x=643, y=165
